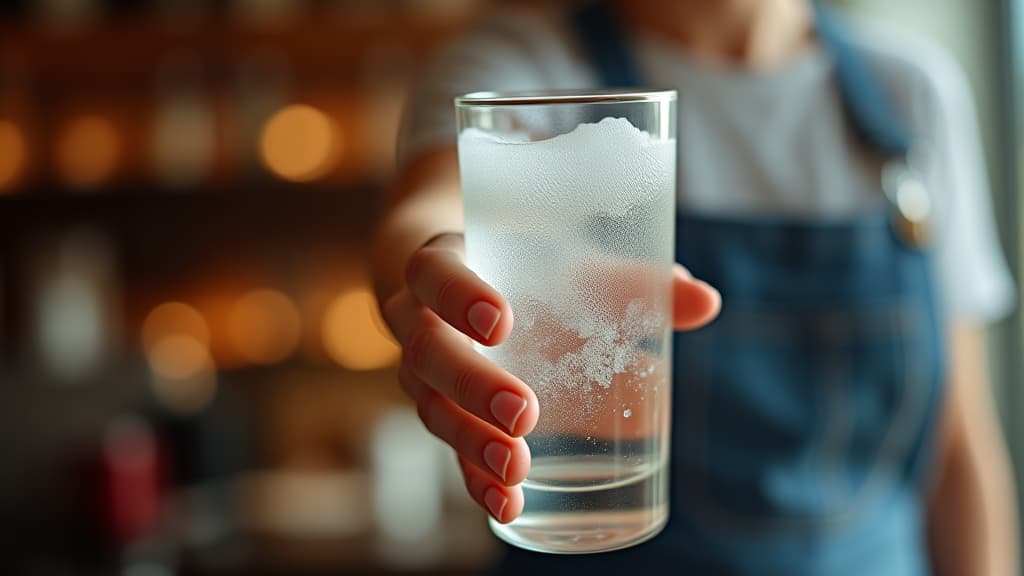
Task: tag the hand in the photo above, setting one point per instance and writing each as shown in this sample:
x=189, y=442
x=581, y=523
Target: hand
x=471, y=404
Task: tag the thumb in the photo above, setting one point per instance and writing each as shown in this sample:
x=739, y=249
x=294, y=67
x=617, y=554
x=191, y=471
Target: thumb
x=694, y=302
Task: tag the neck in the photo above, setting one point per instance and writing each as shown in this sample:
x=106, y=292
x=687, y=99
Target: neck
x=749, y=33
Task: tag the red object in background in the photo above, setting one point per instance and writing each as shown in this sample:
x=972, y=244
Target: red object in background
x=130, y=480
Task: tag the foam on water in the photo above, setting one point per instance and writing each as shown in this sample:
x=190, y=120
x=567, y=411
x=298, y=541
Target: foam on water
x=594, y=162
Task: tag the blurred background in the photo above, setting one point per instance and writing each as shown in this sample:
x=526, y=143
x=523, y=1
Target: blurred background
x=193, y=377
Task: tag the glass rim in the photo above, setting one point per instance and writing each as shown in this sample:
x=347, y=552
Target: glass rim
x=547, y=97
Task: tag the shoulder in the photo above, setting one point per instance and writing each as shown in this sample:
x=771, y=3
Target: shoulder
x=925, y=81
x=905, y=52
x=932, y=92
x=524, y=29
x=519, y=19
x=512, y=48
x=506, y=48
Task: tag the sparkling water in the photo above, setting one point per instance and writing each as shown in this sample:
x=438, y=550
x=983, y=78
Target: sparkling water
x=577, y=233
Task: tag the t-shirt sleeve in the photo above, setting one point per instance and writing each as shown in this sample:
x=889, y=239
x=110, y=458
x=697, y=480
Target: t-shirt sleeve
x=935, y=99
x=974, y=278
x=503, y=51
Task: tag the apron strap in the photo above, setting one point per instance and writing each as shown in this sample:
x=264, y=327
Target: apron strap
x=868, y=107
x=605, y=44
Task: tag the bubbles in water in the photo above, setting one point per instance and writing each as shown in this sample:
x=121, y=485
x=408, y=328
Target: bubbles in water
x=576, y=232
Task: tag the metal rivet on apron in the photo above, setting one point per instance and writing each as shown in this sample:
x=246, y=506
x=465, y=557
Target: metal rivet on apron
x=910, y=202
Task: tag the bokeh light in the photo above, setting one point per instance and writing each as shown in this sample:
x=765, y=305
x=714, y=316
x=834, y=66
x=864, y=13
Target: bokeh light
x=353, y=333
x=172, y=318
x=299, y=143
x=187, y=395
x=184, y=377
x=178, y=357
x=264, y=327
x=131, y=454
x=88, y=151
x=176, y=339
x=183, y=141
x=75, y=312
x=13, y=154
x=72, y=326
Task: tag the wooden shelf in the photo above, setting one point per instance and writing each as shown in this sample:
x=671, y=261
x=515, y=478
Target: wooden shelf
x=163, y=239
x=327, y=46
x=338, y=213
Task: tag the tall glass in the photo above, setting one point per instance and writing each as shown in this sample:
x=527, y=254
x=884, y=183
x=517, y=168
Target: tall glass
x=570, y=213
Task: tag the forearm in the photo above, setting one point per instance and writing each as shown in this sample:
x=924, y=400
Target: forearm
x=973, y=510
x=426, y=202
x=972, y=517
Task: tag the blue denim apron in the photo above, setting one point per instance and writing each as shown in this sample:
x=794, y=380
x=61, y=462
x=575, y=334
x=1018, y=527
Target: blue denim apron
x=803, y=416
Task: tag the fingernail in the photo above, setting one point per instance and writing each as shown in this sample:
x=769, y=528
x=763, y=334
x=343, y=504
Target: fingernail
x=497, y=456
x=711, y=288
x=483, y=317
x=507, y=408
x=496, y=502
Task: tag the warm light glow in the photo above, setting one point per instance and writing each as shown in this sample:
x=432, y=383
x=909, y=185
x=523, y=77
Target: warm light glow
x=184, y=379
x=264, y=327
x=178, y=357
x=299, y=143
x=186, y=396
x=184, y=142
x=353, y=333
x=174, y=318
x=12, y=153
x=88, y=151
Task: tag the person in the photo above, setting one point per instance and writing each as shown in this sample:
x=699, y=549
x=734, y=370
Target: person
x=835, y=416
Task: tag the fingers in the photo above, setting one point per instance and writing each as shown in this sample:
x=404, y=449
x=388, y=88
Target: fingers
x=506, y=460
x=401, y=313
x=439, y=279
x=462, y=398
x=694, y=302
x=440, y=357
x=503, y=503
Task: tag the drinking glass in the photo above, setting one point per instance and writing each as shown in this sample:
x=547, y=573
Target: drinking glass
x=570, y=214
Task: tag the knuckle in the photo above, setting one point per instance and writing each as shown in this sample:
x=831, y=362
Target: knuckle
x=408, y=384
x=463, y=387
x=414, y=267
x=462, y=437
x=472, y=480
x=425, y=409
x=389, y=311
x=420, y=349
x=446, y=292
x=468, y=479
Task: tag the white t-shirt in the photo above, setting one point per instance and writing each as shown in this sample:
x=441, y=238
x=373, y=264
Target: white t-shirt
x=775, y=142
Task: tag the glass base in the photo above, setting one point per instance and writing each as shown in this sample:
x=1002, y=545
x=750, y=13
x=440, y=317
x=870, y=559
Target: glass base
x=582, y=533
